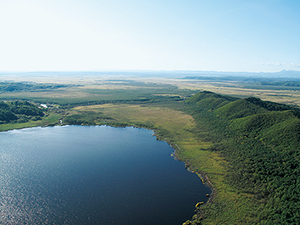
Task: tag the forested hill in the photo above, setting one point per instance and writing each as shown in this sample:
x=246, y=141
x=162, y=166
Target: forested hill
x=19, y=111
x=261, y=142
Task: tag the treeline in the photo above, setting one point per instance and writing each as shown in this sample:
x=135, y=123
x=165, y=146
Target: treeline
x=25, y=86
x=88, y=118
x=85, y=118
x=19, y=111
x=146, y=100
x=283, y=83
x=260, y=140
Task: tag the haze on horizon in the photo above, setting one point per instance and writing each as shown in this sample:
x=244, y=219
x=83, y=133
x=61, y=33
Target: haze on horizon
x=90, y=35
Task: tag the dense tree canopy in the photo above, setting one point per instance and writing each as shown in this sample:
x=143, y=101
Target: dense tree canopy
x=12, y=111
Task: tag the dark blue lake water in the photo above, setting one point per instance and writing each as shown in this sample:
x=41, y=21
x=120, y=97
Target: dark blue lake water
x=93, y=175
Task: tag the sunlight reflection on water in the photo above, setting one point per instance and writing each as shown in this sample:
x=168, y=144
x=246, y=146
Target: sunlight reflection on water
x=69, y=177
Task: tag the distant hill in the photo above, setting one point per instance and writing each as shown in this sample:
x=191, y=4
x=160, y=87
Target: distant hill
x=261, y=141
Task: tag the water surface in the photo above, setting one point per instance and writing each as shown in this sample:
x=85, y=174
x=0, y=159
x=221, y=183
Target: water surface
x=93, y=175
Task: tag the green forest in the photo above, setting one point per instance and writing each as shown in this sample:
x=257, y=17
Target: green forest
x=19, y=111
x=260, y=140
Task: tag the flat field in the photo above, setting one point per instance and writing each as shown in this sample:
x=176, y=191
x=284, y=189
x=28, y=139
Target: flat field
x=119, y=86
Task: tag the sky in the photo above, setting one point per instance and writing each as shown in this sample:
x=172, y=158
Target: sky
x=98, y=35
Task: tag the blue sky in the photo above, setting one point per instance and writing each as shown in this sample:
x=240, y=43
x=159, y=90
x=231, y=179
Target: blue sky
x=95, y=35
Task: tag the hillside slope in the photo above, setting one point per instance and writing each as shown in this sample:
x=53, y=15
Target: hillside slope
x=19, y=111
x=261, y=142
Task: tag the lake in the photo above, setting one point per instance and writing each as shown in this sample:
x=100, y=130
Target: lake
x=93, y=175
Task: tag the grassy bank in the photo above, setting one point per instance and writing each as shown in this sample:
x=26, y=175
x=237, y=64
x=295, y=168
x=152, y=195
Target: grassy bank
x=260, y=142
